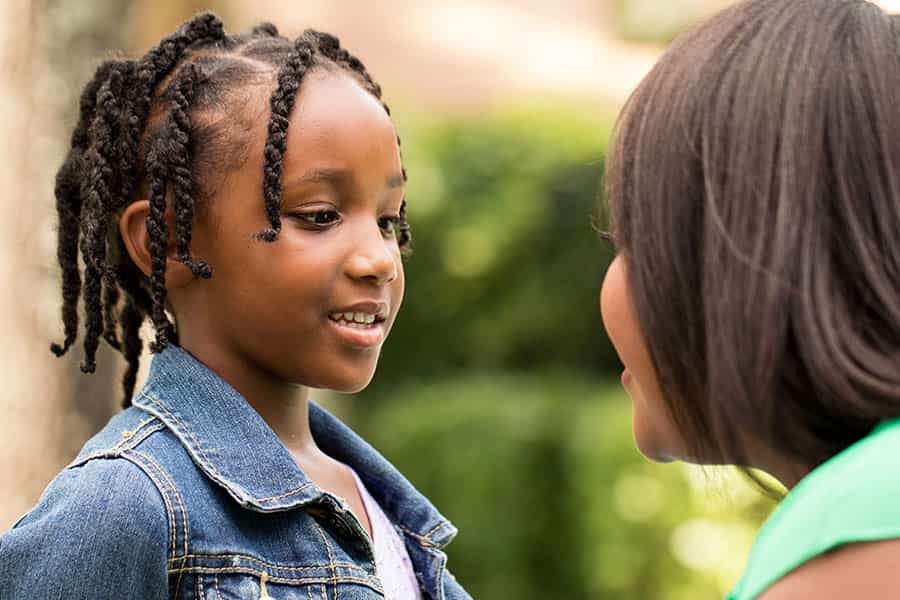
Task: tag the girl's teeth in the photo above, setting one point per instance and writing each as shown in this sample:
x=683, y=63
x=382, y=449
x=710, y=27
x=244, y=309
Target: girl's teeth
x=352, y=318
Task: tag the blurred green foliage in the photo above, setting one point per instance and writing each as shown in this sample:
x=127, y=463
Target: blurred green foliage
x=493, y=393
x=506, y=267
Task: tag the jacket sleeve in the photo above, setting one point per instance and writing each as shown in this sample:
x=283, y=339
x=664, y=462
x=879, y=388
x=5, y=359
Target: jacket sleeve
x=99, y=531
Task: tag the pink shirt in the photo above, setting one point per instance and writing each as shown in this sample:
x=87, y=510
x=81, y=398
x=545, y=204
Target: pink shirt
x=391, y=558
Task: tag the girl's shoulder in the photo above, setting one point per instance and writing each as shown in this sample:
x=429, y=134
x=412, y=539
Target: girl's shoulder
x=109, y=476
x=850, y=498
x=100, y=514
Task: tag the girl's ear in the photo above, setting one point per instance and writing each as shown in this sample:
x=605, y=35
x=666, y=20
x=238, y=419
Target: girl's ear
x=133, y=229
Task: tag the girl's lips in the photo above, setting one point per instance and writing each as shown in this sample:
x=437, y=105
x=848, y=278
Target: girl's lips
x=626, y=377
x=367, y=336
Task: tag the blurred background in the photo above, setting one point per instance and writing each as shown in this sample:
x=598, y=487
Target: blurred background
x=497, y=393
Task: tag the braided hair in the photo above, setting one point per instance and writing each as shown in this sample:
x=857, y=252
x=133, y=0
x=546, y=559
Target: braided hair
x=144, y=131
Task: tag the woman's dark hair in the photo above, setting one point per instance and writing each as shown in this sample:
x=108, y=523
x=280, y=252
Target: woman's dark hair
x=755, y=194
x=160, y=127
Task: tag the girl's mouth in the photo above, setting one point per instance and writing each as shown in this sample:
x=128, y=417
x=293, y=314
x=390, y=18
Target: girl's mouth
x=358, y=329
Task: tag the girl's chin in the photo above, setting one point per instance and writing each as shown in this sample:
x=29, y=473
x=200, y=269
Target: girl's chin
x=351, y=384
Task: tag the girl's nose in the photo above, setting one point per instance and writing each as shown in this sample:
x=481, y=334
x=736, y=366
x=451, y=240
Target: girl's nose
x=371, y=259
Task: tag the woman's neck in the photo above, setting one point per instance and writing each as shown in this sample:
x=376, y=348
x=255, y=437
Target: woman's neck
x=788, y=472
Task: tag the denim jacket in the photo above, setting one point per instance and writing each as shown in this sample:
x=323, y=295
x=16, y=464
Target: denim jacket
x=189, y=494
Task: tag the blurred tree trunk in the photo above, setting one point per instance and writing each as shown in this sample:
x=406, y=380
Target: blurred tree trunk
x=48, y=51
x=152, y=19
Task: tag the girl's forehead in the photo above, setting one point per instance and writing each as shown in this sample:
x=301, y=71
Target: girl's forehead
x=335, y=120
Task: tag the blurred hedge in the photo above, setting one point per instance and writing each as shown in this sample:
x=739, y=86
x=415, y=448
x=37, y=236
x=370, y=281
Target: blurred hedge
x=506, y=267
x=490, y=393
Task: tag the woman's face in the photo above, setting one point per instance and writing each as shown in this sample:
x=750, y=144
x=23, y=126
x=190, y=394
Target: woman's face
x=654, y=432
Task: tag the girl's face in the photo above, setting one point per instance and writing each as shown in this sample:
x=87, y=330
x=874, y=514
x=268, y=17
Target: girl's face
x=654, y=432
x=291, y=309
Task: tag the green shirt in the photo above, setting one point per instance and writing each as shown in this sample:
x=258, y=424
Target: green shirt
x=852, y=497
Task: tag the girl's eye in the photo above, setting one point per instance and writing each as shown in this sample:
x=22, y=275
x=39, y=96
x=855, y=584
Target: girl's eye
x=389, y=225
x=319, y=218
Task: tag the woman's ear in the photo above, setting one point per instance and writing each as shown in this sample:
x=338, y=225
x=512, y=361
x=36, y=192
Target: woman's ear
x=133, y=229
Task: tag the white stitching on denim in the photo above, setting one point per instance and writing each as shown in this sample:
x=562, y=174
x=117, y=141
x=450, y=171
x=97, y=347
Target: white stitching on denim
x=170, y=512
x=181, y=506
x=324, y=581
x=270, y=565
x=139, y=437
x=128, y=434
x=216, y=582
x=186, y=429
x=434, y=530
x=296, y=490
x=115, y=451
x=330, y=558
x=198, y=587
x=441, y=564
x=424, y=542
x=165, y=475
x=205, y=456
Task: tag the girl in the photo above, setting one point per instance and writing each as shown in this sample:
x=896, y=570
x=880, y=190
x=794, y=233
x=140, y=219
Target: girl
x=755, y=193
x=251, y=187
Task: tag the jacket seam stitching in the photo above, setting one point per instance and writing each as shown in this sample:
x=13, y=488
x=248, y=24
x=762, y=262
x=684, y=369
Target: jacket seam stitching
x=296, y=490
x=133, y=434
x=117, y=450
x=171, y=484
x=165, y=476
x=250, y=571
x=181, y=424
x=273, y=566
x=423, y=541
x=204, y=457
x=330, y=557
x=170, y=512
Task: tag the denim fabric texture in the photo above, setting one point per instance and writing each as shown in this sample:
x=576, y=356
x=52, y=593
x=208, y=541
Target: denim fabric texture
x=190, y=494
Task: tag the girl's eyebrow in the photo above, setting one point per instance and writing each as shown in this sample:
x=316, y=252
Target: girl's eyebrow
x=338, y=177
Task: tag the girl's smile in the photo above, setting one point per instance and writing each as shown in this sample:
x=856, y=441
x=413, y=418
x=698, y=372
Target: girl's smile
x=361, y=324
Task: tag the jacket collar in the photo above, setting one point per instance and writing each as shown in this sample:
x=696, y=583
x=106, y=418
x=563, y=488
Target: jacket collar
x=234, y=447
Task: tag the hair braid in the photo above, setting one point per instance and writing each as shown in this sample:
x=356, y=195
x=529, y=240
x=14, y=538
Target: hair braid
x=150, y=72
x=179, y=162
x=282, y=102
x=111, y=295
x=97, y=193
x=132, y=319
x=159, y=235
x=68, y=205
